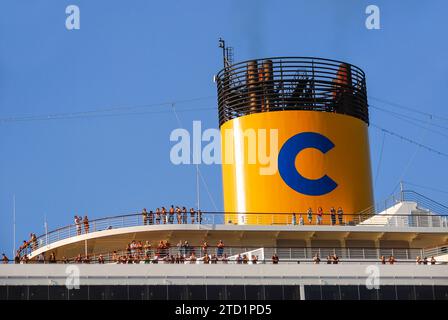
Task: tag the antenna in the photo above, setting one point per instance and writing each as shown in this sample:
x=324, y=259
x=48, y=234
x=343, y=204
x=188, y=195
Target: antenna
x=222, y=45
x=46, y=229
x=401, y=191
x=14, y=224
x=227, y=53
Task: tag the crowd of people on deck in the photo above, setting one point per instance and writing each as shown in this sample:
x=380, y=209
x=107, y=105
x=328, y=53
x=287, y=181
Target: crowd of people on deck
x=79, y=222
x=139, y=251
x=335, y=216
x=172, y=215
x=144, y=252
x=180, y=215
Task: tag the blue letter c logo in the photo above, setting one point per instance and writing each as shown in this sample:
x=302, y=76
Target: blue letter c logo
x=286, y=164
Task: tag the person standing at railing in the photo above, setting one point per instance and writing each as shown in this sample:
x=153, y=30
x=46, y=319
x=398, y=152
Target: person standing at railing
x=171, y=216
x=254, y=259
x=192, y=215
x=147, y=248
x=179, y=246
x=310, y=216
x=86, y=224
x=41, y=258
x=24, y=246
x=294, y=220
x=275, y=259
x=184, y=215
x=220, y=248
x=179, y=215
x=5, y=259
x=418, y=260
x=164, y=215
x=320, y=212
x=52, y=258
x=157, y=216
x=335, y=258
x=145, y=216
x=433, y=260
x=333, y=216
x=316, y=259
x=34, y=241
x=187, y=248
x=151, y=217
x=340, y=215
x=192, y=258
x=301, y=222
x=78, y=225
x=115, y=257
x=204, y=248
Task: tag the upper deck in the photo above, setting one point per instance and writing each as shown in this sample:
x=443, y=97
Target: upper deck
x=403, y=225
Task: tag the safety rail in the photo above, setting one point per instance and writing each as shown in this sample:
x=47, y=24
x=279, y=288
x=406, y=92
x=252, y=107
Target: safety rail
x=285, y=255
x=437, y=251
x=221, y=218
x=291, y=83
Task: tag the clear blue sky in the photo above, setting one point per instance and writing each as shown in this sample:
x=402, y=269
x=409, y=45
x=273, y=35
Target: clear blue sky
x=133, y=53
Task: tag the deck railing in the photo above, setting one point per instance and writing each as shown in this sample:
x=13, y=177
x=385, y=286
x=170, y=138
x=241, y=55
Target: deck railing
x=220, y=218
x=264, y=255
